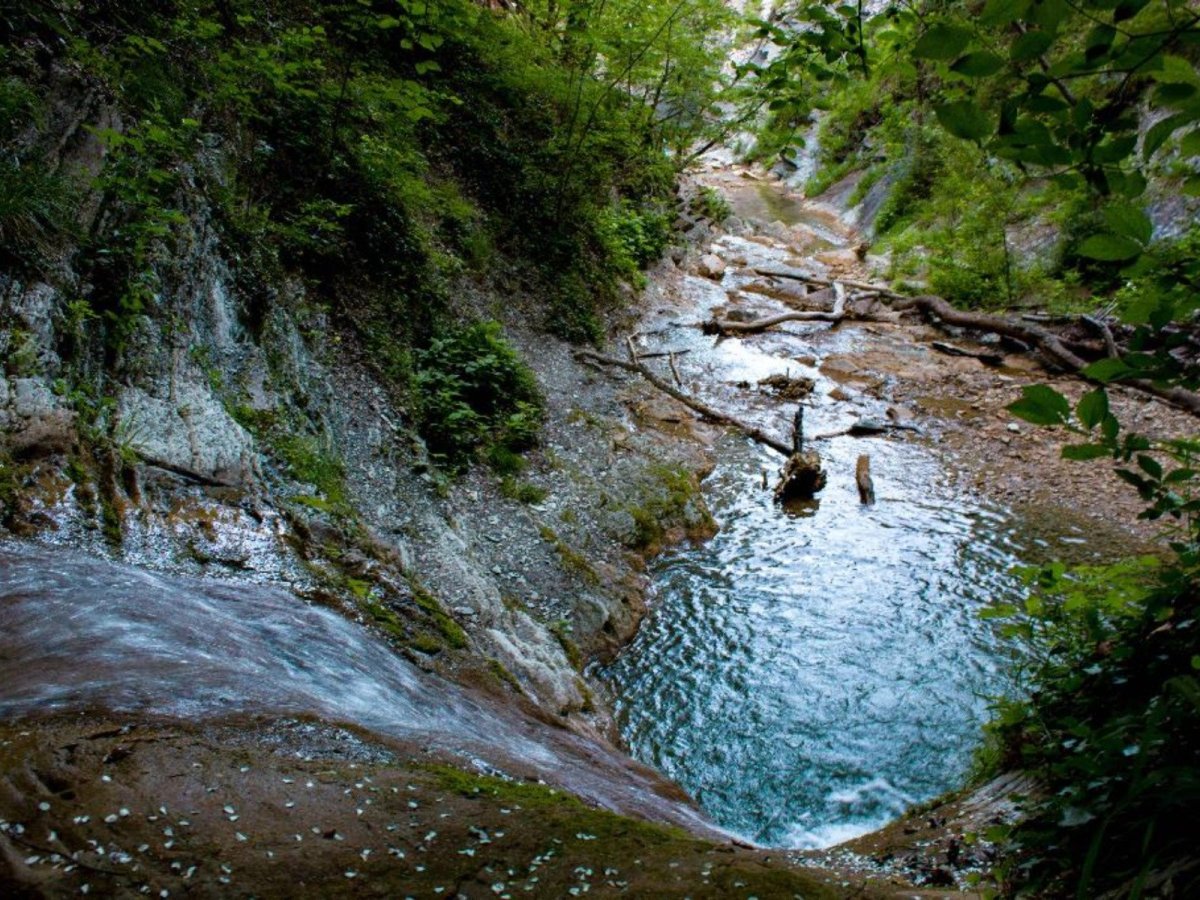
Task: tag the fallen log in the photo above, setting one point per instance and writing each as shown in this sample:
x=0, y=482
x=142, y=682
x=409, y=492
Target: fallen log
x=661, y=354
x=674, y=370
x=1101, y=327
x=864, y=286
x=706, y=411
x=835, y=315
x=1047, y=343
x=866, y=428
x=183, y=472
x=727, y=326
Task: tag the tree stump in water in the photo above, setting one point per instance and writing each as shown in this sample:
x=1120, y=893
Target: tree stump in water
x=862, y=476
x=801, y=477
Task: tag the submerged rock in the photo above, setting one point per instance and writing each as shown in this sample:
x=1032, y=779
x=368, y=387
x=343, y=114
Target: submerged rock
x=787, y=388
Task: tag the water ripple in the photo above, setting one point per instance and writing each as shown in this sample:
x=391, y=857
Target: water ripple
x=808, y=678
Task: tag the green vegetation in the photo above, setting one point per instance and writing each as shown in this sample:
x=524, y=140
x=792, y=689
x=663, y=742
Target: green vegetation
x=10, y=486
x=503, y=675
x=310, y=463
x=476, y=391
x=711, y=204
x=562, y=633
x=379, y=149
x=981, y=148
x=450, y=632
x=521, y=491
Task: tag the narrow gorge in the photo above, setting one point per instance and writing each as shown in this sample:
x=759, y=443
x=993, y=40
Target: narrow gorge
x=397, y=406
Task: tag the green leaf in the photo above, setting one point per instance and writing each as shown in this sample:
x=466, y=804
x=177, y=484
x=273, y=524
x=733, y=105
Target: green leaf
x=1110, y=248
x=1110, y=427
x=1003, y=12
x=1158, y=133
x=1190, y=145
x=1092, y=408
x=978, y=65
x=1127, y=9
x=1099, y=39
x=1116, y=149
x=942, y=41
x=1130, y=222
x=1150, y=466
x=1085, y=452
x=1048, y=14
x=1030, y=45
x=1177, y=70
x=965, y=120
x=1172, y=93
x=1106, y=370
x=1041, y=405
x=1045, y=103
x=1131, y=184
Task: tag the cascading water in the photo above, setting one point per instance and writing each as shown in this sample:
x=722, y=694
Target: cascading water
x=78, y=632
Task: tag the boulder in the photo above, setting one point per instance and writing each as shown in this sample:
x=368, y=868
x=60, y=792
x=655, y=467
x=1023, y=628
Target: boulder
x=193, y=433
x=711, y=266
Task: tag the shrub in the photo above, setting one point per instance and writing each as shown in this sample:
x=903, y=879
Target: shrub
x=474, y=390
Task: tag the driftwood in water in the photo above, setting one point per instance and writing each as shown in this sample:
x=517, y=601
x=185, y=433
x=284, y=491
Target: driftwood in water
x=835, y=315
x=801, y=477
x=862, y=477
x=728, y=326
x=674, y=370
x=785, y=387
x=867, y=428
x=663, y=353
x=708, y=412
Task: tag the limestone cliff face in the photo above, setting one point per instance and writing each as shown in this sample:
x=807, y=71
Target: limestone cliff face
x=188, y=449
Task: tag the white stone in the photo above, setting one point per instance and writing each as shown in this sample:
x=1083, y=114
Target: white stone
x=711, y=266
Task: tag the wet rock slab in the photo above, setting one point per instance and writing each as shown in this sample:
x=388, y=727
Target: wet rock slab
x=129, y=806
